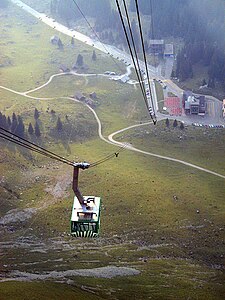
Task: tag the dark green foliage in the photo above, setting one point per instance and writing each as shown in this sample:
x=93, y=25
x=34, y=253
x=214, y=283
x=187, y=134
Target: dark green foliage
x=37, y=130
x=167, y=122
x=175, y=123
x=94, y=57
x=211, y=83
x=14, y=123
x=60, y=44
x=36, y=114
x=72, y=41
x=20, y=127
x=9, y=121
x=204, y=82
x=182, y=126
x=184, y=66
x=80, y=60
x=59, y=125
x=3, y=121
x=30, y=129
x=173, y=74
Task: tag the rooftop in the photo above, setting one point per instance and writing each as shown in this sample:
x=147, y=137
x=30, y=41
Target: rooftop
x=156, y=42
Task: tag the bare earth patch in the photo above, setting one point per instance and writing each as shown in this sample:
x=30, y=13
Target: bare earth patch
x=104, y=272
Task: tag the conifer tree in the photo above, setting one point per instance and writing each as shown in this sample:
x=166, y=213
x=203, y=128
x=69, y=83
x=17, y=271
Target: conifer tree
x=37, y=130
x=167, y=122
x=80, y=60
x=36, y=113
x=30, y=129
x=9, y=121
x=20, y=128
x=94, y=57
x=175, y=123
x=14, y=123
x=59, y=125
x=60, y=44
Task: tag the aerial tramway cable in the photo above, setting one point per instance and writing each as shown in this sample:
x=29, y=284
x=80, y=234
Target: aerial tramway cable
x=112, y=155
x=145, y=60
x=11, y=137
x=138, y=72
x=36, y=148
x=149, y=107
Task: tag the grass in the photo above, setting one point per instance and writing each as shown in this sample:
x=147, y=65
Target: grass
x=48, y=290
x=176, y=141
x=200, y=72
x=142, y=225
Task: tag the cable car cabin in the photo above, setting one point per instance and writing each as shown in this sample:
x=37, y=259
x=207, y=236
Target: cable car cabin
x=85, y=218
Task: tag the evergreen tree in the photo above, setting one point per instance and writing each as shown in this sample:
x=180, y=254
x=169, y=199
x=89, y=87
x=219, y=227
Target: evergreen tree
x=9, y=121
x=173, y=74
x=1, y=119
x=4, y=122
x=14, y=117
x=80, y=60
x=72, y=41
x=211, y=83
x=204, y=82
x=20, y=128
x=94, y=57
x=36, y=113
x=14, y=123
x=37, y=130
x=60, y=44
x=167, y=123
x=182, y=126
x=175, y=123
x=59, y=125
x=30, y=129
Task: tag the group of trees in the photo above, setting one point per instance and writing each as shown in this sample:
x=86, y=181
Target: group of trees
x=175, y=124
x=16, y=125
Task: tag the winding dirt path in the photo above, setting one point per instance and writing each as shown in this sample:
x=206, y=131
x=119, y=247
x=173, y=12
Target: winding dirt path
x=110, y=139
